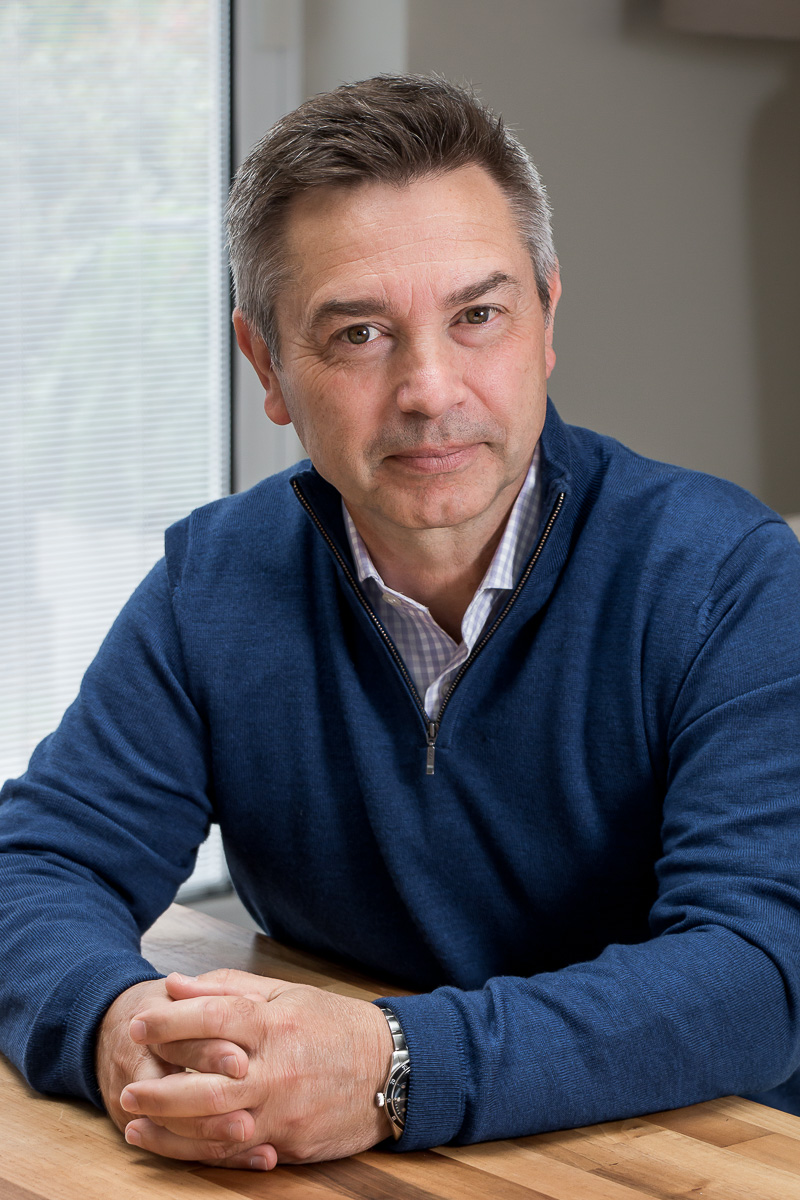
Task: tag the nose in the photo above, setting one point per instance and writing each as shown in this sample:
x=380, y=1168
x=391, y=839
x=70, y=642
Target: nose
x=429, y=377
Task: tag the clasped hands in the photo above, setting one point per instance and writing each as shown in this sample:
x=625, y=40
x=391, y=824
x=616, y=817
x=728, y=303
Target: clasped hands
x=276, y=1071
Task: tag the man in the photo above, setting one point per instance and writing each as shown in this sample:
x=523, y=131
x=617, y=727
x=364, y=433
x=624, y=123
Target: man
x=481, y=701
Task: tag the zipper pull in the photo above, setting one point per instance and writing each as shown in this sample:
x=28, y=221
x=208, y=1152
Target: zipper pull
x=429, y=769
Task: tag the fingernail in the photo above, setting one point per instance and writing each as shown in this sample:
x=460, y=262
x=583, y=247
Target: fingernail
x=128, y=1101
x=230, y=1066
x=133, y=1137
x=236, y=1131
x=258, y=1163
x=138, y=1031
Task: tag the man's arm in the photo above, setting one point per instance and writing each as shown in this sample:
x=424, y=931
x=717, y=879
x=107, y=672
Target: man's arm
x=94, y=841
x=709, y=1005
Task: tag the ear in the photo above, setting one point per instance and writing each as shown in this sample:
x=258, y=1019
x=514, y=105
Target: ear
x=254, y=348
x=555, y=296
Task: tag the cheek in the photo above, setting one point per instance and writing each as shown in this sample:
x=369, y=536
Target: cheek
x=509, y=381
x=333, y=425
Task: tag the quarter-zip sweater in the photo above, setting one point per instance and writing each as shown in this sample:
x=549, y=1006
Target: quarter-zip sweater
x=597, y=890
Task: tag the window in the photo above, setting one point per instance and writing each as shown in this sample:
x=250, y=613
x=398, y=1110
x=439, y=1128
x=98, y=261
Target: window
x=114, y=351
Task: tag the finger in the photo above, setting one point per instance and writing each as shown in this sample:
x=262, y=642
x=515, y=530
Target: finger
x=149, y=1136
x=257, y=1158
x=236, y=1128
x=207, y=1055
x=188, y=1095
x=233, y=1018
x=146, y=1066
x=224, y=982
x=152, y=1066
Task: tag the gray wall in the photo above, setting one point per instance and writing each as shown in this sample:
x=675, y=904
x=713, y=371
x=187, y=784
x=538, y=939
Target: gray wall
x=673, y=163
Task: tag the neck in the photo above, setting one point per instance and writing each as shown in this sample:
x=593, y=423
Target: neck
x=440, y=568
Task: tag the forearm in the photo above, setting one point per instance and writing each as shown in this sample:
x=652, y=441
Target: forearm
x=642, y=1028
x=708, y=1006
x=95, y=839
x=67, y=950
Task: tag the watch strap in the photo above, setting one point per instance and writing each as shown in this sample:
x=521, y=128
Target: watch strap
x=394, y=1097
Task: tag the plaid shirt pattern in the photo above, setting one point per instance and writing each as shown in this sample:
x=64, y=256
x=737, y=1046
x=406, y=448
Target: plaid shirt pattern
x=431, y=656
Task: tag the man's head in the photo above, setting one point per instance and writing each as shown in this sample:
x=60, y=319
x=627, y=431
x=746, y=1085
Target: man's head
x=412, y=317
x=392, y=129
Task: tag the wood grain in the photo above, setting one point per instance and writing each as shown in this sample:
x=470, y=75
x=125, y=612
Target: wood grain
x=728, y=1149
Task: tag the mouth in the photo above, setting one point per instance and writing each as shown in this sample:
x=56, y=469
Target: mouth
x=435, y=460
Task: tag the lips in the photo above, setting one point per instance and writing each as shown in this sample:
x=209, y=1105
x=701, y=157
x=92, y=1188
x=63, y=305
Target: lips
x=434, y=460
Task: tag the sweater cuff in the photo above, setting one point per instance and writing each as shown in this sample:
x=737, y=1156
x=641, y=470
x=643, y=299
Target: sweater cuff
x=82, y=997
x=437, y=1081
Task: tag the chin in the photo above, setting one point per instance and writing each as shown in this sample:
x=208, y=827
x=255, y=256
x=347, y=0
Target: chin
x=439, y=512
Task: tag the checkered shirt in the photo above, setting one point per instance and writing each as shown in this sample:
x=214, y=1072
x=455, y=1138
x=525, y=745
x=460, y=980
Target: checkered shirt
x=430, y=655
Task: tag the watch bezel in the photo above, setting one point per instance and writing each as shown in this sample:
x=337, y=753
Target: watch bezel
x=396, y=1094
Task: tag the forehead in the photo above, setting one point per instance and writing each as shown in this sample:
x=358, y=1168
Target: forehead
x=435, y=233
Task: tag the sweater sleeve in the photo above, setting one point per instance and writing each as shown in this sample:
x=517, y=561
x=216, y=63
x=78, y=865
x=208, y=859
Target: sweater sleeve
x=95, y=840
x=710, y=1004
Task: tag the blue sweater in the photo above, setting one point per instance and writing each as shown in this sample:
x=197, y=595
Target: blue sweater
x=597, y=892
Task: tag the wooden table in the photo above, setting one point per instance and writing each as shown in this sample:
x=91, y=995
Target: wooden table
x=57, y=1149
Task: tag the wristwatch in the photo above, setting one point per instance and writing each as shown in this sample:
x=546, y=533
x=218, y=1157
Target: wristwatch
x=394, y=1097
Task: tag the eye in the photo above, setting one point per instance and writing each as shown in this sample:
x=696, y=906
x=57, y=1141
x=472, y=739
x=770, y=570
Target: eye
x=479, y=314
x=357, y=335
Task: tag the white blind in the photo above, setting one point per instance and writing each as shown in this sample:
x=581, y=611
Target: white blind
x=114, y=352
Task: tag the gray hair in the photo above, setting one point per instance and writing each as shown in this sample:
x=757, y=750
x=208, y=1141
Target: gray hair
x=390, y=129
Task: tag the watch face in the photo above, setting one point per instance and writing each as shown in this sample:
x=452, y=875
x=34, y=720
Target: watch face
x=397, y=1094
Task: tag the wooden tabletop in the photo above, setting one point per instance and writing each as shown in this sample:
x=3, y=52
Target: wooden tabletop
x=54, y=1149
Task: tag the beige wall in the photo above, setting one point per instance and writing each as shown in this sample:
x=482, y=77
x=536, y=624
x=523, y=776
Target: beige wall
x=673, y=163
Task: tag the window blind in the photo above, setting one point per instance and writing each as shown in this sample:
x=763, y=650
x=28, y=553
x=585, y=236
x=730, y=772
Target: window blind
x=114, y=350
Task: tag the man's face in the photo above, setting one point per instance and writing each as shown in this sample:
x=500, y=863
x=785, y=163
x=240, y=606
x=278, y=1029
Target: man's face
x=414, y=349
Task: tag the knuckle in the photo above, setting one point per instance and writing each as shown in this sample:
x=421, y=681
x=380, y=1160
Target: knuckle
x=209, y=1129
x=215, y=1151
x=305, y=1149
x=290, y=1031
x=222, y=975
x=218, y=1096
x=290, y=1071
x=213, y=1015
x=242, y=1006
x=295, y=1133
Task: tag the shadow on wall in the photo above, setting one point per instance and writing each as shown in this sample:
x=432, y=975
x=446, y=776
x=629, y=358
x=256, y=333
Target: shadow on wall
x=774, y=211
x=772, y=185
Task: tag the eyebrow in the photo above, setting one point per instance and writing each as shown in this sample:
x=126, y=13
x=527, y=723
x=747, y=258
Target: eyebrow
x=364, y=306
x=474, y=291
x=373, y=306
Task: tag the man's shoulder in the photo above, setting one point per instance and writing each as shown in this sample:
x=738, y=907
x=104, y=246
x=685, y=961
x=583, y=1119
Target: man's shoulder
x=668, y=550
x=249, y=528
x=658, y=502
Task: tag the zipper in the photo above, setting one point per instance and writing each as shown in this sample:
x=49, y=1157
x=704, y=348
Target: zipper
x=369, y=611
x=432, y=727
x=430, y=758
